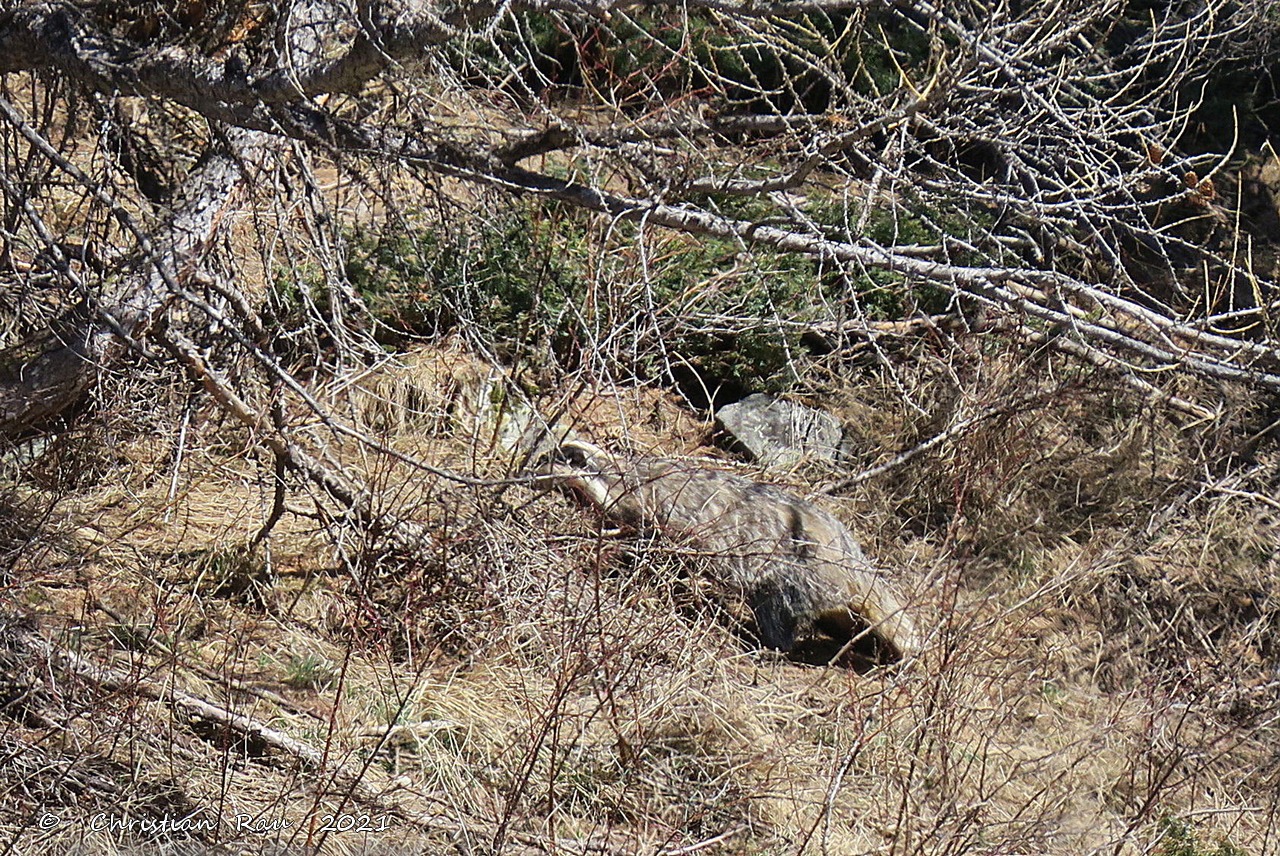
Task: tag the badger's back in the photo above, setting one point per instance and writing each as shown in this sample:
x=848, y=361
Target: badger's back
x=795, y=566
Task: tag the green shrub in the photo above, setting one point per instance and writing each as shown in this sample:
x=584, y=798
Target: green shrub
x=1178, y=838
x=310, y=671
x=704, y=284
x=508, y=283
x=519, y=283
x=651, y=57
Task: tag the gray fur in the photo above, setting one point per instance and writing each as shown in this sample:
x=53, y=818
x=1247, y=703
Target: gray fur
x=796, y=568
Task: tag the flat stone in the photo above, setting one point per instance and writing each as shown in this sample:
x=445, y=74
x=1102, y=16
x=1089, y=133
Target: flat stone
x=779, y=433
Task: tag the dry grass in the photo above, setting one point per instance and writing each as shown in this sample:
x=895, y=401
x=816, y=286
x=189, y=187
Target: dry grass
x=1101, y=654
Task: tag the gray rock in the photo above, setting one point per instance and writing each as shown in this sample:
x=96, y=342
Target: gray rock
x=780, y=433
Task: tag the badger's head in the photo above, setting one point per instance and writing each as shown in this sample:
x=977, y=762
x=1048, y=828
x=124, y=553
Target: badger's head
x=585, y=468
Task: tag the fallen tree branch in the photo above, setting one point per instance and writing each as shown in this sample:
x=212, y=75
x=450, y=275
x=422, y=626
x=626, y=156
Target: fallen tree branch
x=351, y=782
x=998, y=285
x=244, y=726
x=1145, y=339
x=44, y=378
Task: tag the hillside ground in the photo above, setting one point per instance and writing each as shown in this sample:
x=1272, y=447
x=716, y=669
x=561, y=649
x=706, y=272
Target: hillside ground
x=1100, y=674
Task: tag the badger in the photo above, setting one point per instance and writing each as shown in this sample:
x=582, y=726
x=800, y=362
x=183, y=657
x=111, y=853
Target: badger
x=792, y=572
